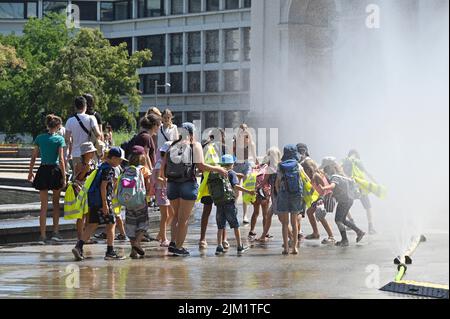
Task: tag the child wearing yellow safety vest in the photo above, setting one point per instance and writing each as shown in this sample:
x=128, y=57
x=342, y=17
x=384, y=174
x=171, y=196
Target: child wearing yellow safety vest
x=101, y=209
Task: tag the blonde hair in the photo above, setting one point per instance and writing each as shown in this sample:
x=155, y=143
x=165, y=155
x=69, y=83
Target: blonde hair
x=154, y=110
x=273, y=157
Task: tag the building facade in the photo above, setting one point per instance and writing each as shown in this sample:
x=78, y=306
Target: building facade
x=201, y=49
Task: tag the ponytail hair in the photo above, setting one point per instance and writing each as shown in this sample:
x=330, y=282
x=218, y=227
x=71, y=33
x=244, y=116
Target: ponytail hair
x=52, y=121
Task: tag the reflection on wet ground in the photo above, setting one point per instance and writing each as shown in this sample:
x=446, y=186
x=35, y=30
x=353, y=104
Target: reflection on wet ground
x=318, y=272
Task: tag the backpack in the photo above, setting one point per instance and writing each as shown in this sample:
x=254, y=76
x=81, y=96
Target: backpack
x=180, y=169
x=351, y=187
x=131, y=190
x=94, y=192
x=263, y=188
x=220, y=189
x=291, y=177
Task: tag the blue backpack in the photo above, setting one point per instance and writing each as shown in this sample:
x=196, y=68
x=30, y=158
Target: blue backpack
x=94, y=193
x=291, y=177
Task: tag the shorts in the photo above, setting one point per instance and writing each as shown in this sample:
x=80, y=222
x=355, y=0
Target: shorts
x=244, y=168
x=365, y=201
x=186, y=191
x=96, y=217
x=227, y=213
x=161, y=197
x=207, y=200
x=289, y=203
x=136, y=221
x=48, y=177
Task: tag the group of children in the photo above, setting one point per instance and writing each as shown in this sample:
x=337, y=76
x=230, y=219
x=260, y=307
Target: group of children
x=289, y=185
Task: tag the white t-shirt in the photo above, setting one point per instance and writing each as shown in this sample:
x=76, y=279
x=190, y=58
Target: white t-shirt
x=79, y=136
x=170, y=132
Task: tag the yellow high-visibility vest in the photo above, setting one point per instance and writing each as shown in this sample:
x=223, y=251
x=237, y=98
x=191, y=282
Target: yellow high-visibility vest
x=116, y=207
x=71, y=209
x=80, y=208
x=250, y=184
x=211, y=158
x=363, y=182
x=310, y=195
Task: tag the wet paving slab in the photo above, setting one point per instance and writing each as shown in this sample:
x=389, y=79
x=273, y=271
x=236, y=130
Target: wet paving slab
x=262, y=272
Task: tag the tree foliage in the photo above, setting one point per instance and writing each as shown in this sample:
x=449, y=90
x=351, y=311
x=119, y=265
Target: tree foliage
x=63, y=63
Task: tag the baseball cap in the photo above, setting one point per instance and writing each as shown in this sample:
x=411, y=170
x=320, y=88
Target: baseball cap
x=189, y=127
x=117, y=152
x=137, y=150
x=227, y=159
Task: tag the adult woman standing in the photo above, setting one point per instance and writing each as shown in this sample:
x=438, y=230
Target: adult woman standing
x=51, y=174
x=178, y=170
x=168, y=132
x=245, y=153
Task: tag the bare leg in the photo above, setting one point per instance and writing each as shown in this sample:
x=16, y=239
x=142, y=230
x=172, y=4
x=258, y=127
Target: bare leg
x=313, y=222
x=294, y=221
x=267, y=225
x=237, y=234
x=43, y=214
x=163, y=223
x=88, y=231
x=120, y=225
x=219, y=237
x=284, y=219
x=56, y=210
x=204, y=223
x=255, y=216
x=327, y=227
x=175, y=204
x=110, y=234
x=80, y=226
x=185, y=211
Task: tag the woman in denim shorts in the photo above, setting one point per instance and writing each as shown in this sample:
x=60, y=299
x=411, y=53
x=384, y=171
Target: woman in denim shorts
x=182, y=193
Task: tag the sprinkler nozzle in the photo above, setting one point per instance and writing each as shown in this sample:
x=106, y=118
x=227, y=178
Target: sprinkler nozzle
x=397, y=260
x=423, y=239
x=408, y=260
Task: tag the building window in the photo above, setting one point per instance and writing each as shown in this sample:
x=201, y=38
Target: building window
x=150, y=8
x=212, y=5
x=122, y=10
x=233, y=119
x=232, y=45
x=231, y=80
x=176, y=82
x=106, y=11
x=247, y=47
x=176, y=49
x=157, y=44
x=212, y=46
x=212, y=81
x=247, y=3
x=148, y=83
x=193, y=116
x=88, y=10
x=177, y=118
x=54, y=6
x=194, y=51
x=211, y=119
x=246, y=80
x=232, y=4
x=193, y=82
x=118, y=41
x=195, y=6
x=177, y=6
x=18, y=9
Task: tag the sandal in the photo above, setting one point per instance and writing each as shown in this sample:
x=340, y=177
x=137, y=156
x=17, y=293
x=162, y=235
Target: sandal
x=312, y=237
x=203, y=244
x=285, y=252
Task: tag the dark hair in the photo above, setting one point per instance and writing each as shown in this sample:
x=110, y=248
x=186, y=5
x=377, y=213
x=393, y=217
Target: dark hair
x=89, y=100
x=150, y=121
x=136, y=159
x=80, y=103
x=353, y=152
x=52, y=121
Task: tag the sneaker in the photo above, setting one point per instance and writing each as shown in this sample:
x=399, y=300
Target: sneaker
x=329, y=241
x=56, y=237
x=113, y=256
x=360, y=236
x=220, y=250
x=172, y=247
x=134, y=254
x=42, y=240
x=139, y=250
x=269, y=236
x=251, y=236
x=342, y=243
x=182, y=252
x=78, y=254
x=100, y=236
x=245, y=221
x=121, y=237
x=226, y=245
x=241, y=249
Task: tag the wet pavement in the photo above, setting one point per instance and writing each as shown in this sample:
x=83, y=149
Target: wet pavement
x=262, y=272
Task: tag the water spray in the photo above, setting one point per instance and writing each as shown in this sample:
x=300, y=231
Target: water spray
x=413, y=287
